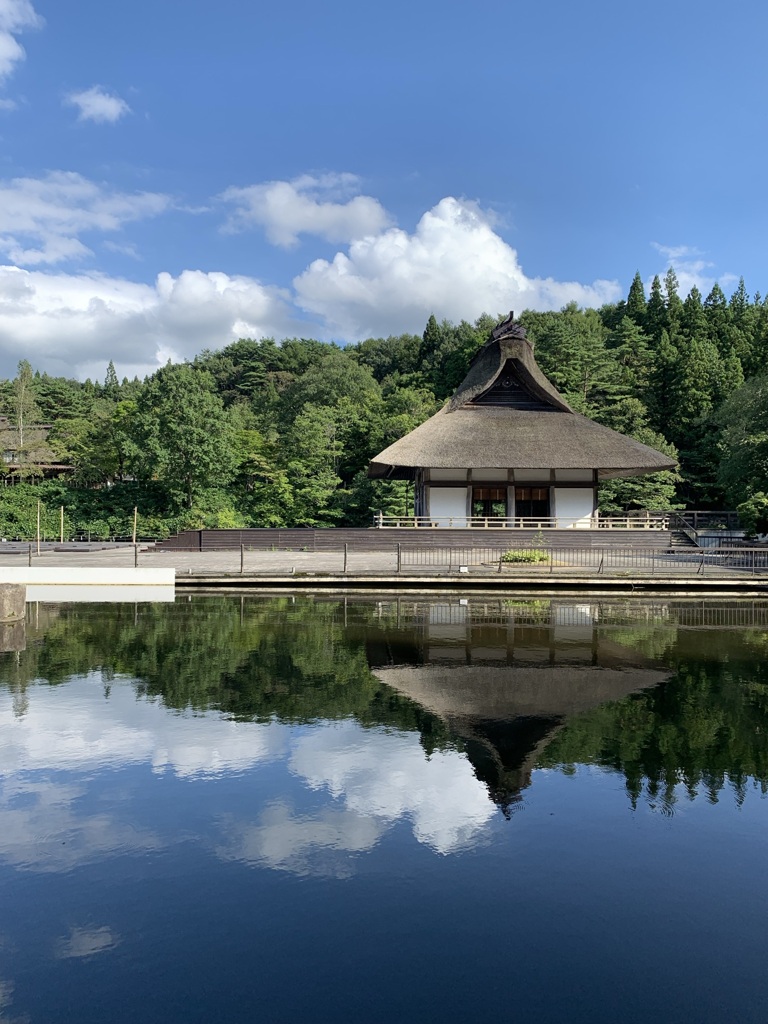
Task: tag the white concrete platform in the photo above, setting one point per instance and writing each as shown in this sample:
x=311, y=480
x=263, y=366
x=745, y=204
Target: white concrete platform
x=93, y=593
x=87, y=579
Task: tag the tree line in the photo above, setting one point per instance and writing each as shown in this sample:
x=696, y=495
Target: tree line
x=261, y=433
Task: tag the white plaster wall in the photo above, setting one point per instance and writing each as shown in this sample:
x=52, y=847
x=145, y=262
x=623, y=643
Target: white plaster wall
x=446, y=503
x=574, y=475
x=531, y=475
x=574, y=507
x=491, y=475
x=447, y=474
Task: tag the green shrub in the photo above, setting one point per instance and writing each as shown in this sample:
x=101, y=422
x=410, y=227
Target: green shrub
x=753, y=514
x=97, y=529
x=525, y=555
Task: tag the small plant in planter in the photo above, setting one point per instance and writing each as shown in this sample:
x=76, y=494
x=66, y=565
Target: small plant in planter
x=527, y=555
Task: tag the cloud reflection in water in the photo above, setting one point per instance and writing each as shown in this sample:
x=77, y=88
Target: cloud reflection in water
x=372, y=778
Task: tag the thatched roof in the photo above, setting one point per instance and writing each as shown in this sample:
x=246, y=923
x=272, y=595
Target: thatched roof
x=507, y=415
x=506, y=715
x=508, y=692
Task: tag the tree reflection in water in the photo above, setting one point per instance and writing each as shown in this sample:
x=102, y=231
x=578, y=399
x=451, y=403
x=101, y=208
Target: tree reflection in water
x=669, y=694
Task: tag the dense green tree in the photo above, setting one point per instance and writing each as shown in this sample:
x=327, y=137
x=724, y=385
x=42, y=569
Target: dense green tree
x=636, y=301
x=654, y=491
x=719, y=321
x=26, y=440
x=656, y=316
x=674, y=303
x=312, y=453
x=386, y=357
x=571, y=350
x=182, y=435
x=631, y=349
x=743, y=469
x=694, y=320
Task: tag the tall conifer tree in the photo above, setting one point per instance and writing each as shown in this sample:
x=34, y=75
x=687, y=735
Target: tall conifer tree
x=656, y=319
x=674, y=303
x=636, y=301
x=694, y=320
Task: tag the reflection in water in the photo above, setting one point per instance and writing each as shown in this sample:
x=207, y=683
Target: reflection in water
x=487, y=689
x=505, y=688
x=183, y=771
x=83, y=942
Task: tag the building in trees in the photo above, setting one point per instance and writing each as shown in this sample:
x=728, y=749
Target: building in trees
x=508, y=448
x=25, y=453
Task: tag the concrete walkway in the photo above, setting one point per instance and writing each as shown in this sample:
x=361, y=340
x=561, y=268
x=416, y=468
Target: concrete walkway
x=578, y=568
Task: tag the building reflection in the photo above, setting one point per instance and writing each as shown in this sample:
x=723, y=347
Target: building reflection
x=506, y=677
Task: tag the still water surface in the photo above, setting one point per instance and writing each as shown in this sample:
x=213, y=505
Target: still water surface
x=247, y=809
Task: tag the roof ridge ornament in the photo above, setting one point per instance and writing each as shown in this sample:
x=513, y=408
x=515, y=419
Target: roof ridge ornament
x=509, y=328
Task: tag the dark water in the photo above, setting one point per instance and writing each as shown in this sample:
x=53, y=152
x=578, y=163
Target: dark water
x=266, y=810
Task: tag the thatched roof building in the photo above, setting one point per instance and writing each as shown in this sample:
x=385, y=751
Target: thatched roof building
x=508, y=425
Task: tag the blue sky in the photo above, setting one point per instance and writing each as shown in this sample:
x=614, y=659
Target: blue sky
x=174, y=175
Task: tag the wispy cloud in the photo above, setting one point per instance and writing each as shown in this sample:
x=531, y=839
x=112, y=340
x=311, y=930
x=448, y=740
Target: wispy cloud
x=123, y=249
x=327, y=207
x=96, y=104
x=42, y=219
x=15, y=17
x=692, y=268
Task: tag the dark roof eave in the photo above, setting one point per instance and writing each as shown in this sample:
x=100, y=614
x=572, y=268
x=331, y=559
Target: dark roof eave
x=384, y=471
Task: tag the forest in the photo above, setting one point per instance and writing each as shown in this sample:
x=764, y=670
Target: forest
x=267, y=433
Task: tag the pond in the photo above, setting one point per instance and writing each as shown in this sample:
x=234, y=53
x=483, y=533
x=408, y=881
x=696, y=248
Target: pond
x=307, y=810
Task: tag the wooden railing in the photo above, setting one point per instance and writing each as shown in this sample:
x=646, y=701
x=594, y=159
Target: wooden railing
x=688, y=522
x=631, y=521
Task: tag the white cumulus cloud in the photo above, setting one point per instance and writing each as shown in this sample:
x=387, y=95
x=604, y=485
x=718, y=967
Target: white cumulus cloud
x=386, y=280
x=15, y=17
x=42, y=219
x=325, y=206
x=454, y=264
x=96, y=104
x=72, y=324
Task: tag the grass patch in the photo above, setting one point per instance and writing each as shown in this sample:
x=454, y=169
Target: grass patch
x=527, y=555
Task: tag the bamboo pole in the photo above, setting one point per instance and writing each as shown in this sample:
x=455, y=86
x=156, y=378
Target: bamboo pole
x=38, y=527
x=135, y=521
x=61, y=524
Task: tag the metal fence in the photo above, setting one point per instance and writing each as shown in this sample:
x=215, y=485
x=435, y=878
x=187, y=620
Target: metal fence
x=579, y=561
x=400, y=560
x=476, y=560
